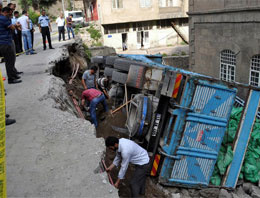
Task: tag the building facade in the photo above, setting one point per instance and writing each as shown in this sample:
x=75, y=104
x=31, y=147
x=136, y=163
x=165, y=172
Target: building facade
x=225, y=39
x=140, y=23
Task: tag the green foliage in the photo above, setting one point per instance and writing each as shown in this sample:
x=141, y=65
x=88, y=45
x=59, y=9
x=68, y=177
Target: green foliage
x=183, y=43
x=175, y=54
x=36, y=4
x=164, y=55
x=33, y=16
x=87, y=51
x=94, y=33
x=24, y=4
x=69, y=5
x=183, y=53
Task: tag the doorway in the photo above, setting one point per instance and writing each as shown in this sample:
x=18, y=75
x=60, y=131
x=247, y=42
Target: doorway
x=124, y=41
x=143, y=39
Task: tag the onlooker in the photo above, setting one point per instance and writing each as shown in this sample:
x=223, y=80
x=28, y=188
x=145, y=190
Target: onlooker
x=61, y=23
x=12, y=6
x=89, y=78
x=6, y=45
x=94, y=97
x=32, y=30
x=27, y=38
x=129, y=152
x=45, y=29
x=16, y=33
x=69, y=26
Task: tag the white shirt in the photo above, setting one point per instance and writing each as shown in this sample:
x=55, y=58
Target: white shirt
x=60, y=22
x=131, y=152
x=23, y=20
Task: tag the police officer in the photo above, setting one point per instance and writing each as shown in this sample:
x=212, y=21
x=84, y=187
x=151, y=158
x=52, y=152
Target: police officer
x=45, y=29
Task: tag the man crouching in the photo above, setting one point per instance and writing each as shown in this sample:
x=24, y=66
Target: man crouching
x=129, y=151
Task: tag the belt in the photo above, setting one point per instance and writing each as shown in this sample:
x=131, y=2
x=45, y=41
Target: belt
x=99, y=95
x=141, y=166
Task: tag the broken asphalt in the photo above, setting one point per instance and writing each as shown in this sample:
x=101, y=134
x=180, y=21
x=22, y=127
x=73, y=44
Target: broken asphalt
x=49, y=152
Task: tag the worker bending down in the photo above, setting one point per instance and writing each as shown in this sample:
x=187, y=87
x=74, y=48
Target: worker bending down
x=94, y=97
x=129, y=151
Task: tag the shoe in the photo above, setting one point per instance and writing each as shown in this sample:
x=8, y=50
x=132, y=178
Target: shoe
x=44, y=48
x=19, y=73
x=17, y=77
x=32, y=53
x=7, y=115
x=9, y=121
x=52, y=48
x=14, y=81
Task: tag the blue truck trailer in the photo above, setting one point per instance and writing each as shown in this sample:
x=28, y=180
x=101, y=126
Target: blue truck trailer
x=181, y=118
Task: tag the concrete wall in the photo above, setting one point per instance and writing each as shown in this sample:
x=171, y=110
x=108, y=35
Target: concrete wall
x=157, y=38
x=132, y=11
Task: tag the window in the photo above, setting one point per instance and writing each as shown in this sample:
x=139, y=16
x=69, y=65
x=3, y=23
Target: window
x=254, y=78
x=146, y=25
x=117, y=3
x=161, y=24
x=145, y=3
x=166, y=3
x=227, y=65
x=116, y=28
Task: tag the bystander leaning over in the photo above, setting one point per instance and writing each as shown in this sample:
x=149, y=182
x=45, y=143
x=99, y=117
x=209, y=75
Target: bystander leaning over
x=6, y=45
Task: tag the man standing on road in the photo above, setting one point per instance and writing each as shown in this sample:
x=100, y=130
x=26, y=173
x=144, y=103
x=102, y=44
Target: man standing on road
x=94, y=97
x=6, y=45
x=32, y=30
x=69, y=26
x=45, y=29
x=129, y=152
x=16, y=33
x=61, y=23
x=89, y=78
x=26, y=33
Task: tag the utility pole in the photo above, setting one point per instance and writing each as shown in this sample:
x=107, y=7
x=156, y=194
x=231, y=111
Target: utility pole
x=63, y=6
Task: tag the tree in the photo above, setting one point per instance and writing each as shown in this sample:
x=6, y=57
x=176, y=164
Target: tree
x=47, y=3
x=24, y=4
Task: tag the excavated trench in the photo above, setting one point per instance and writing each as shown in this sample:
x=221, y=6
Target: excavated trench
x=63, y=69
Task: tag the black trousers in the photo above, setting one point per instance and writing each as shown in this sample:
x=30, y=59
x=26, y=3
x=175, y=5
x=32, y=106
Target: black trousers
x=7, y=51
x=138, y=180
x=46, y=33
x=32, y=35
x=19, y=36
x=61, y=32
x=17, y=43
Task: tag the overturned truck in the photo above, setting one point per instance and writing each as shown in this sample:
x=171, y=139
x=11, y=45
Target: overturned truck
x=181, y=118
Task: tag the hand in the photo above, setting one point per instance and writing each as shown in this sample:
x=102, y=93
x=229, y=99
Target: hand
x=40, y=30
x=116, y=185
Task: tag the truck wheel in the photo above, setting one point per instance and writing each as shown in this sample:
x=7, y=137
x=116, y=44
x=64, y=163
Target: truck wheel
x=110, y=60
x=119, y=77
x=124, y=64
x=97, y=59
x=109, y=71
x=138, y=125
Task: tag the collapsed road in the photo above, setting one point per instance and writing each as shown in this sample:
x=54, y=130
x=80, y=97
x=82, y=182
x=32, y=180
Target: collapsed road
x=50, y=152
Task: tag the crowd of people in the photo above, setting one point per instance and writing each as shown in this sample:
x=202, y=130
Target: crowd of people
x=17, y=37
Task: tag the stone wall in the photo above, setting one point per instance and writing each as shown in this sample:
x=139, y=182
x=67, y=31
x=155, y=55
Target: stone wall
x=177, y=61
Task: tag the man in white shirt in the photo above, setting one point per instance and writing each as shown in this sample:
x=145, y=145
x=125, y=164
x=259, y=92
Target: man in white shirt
x=61, y=23
x=27, y=38
x=129, y=152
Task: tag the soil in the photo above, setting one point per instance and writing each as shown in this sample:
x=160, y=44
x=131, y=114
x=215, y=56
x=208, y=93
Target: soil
x=104, y=130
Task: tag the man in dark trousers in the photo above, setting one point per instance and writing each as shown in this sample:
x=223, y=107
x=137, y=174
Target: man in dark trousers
x=129, y=152
x=45, y=29
x=6, y=45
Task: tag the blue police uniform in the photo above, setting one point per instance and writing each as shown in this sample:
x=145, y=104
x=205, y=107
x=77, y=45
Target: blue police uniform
x=44, y=21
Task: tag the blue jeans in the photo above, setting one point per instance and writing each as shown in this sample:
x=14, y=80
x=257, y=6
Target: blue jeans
x=27, y=41
x=93, y=105
x=70, y=29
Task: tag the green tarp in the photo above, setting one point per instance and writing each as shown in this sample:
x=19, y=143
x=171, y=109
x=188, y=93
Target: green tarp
x=251, y=166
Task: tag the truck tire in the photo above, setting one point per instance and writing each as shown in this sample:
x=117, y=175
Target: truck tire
x=97, y=59
x=138, y=125
x=109, y=71
x=119, y=77
x=124, y=64
x=110, y=60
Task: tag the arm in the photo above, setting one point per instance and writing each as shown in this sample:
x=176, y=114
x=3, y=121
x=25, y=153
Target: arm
x=50, y=27
x=84, y=84
x=123, y=169
x=106, y=94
